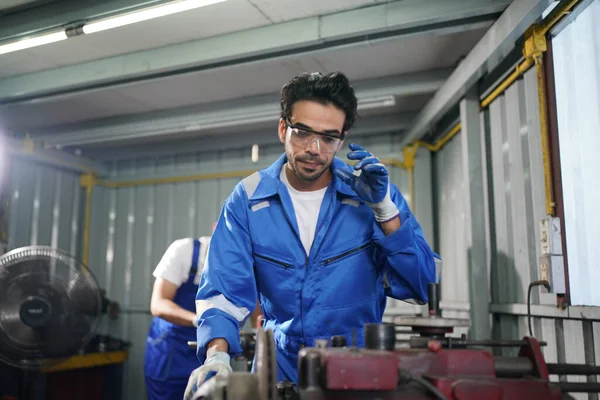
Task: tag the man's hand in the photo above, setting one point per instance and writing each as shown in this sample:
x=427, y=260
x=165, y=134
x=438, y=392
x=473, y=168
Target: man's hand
x=216, y=364
x=372, y=184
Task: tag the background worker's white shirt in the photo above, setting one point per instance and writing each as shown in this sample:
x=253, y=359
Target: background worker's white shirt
x=175, y=264
x=306, y=206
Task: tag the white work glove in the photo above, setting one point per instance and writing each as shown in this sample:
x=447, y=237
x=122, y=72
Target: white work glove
x=370, y=182
x=219, y=363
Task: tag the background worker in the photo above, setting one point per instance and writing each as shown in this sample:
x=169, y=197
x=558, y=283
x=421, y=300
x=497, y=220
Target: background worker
x=169, y=360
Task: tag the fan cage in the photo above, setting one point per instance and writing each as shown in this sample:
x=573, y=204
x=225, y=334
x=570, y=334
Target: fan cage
x=30, y=359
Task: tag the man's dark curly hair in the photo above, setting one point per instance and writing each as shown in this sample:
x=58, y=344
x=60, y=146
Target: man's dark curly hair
x=333, y=88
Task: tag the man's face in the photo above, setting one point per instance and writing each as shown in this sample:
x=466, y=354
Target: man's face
x=310, y=162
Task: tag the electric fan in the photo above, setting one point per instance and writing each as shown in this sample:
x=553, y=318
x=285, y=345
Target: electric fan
x=50, y=305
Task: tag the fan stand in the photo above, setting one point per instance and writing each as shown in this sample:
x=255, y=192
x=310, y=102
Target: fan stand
x=30, y=381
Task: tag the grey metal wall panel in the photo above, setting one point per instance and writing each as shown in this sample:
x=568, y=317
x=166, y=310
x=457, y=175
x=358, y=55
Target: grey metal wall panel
x=44, y=207
x=450, y=215
x=577, y=71
x=518, y=203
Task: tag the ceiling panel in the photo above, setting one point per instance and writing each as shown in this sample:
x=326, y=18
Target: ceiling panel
x=360, y=62
x=7, y=6
x=221, y=84
x=285, y=10
x=69, y=110
x=216, y=19
x=409, y=54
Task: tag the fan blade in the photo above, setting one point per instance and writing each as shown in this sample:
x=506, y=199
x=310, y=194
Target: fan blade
x=29, y=274
x=83, y=298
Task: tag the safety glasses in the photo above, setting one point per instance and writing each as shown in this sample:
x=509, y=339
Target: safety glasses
x=303, y=137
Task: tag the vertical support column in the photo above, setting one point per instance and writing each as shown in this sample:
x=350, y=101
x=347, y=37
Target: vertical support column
x=474, y=195
x=423, y=192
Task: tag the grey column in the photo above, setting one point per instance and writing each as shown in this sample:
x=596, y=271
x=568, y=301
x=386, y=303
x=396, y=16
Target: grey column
x=472, y=139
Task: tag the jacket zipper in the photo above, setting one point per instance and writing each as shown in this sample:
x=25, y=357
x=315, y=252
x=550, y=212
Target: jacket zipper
x=301, y=294
x=284, y=265
x=346, y=253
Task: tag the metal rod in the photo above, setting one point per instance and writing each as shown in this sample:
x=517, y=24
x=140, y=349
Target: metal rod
x=512, y=367
x=499, y=343
x=572, y=387
x=519, y=366
x=573, y=369
x=482, y=343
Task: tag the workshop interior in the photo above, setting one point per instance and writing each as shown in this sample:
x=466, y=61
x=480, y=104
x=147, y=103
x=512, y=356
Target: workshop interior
x=126, y=124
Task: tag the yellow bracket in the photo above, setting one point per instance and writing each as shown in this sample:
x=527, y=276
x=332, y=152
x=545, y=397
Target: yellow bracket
x=409, y=153
x=87, y=181
x=28, y=146
x=534, y=48
x=535, y=42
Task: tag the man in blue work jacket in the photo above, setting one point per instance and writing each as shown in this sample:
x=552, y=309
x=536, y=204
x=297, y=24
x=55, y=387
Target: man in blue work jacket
x=318, y=242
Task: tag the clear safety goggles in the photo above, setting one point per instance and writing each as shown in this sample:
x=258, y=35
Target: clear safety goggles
x=304, y=137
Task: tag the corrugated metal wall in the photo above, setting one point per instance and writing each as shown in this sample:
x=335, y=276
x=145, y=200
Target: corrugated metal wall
x=132, y=227
x=450, y=216
x=517, y=184
x=517, y=204
x=44, y=207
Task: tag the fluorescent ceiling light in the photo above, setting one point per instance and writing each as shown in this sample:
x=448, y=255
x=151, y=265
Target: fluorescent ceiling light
x=376, y=102
x=244, y=116
x=146, y=14
x=33, y=42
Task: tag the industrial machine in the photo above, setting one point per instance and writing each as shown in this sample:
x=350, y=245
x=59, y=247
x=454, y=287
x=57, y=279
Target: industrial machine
x=50, y=305
x=430, y=365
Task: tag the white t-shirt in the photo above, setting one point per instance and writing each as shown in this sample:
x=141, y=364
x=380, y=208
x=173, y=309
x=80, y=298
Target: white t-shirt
x=306, y=206
x=176, y=263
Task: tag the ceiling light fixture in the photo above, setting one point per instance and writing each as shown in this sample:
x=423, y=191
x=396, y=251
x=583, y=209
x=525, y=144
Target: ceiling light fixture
x=35, y=41
x=376, y=102
x=145, y=14
x=243, y=117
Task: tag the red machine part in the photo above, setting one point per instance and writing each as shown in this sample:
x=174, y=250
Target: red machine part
x=459, y=374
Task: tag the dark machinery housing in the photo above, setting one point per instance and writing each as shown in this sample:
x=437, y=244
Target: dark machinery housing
x=430, y=366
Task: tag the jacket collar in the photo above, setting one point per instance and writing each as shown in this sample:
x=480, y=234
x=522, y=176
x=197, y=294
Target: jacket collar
x=269, y=183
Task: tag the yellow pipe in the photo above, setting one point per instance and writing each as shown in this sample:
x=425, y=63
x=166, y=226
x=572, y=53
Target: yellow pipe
x=545, y=28
x=437, y=146
x=202, y=177
x=409, y=164
x=87, y=181
x=175, y=179
x=521, y=69
x=545, y=136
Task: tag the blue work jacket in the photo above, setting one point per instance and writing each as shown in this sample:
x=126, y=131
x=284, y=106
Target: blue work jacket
x=256, y=252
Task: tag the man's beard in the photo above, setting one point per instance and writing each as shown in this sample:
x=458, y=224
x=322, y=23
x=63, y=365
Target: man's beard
x=307, y=173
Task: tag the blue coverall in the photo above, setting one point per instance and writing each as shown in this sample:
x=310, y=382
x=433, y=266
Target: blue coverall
x=341, y=285
x=169, y=360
